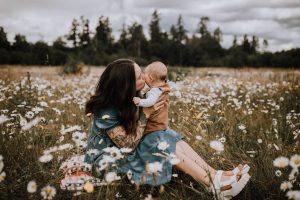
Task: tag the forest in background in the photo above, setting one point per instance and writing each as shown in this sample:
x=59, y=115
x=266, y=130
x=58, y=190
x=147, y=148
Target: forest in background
x=173, y=47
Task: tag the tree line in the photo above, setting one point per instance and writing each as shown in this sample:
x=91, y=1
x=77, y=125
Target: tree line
x=173, y=47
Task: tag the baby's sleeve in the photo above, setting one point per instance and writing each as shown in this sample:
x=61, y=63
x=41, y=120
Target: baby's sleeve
x=152, y=97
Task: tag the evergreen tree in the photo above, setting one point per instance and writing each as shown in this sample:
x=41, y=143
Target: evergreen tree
x=103, y=38
x=203, y=26
x=218, y=34
x=84, y=36
x=137, y=39
x=4, y=44
x=155, y=30
x=74, y=33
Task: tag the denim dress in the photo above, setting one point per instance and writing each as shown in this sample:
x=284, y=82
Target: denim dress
x=135, y=161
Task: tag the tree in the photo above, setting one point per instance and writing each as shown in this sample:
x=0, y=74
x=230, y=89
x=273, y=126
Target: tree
x=265, y=44
x=103, y=38
x=4, y=44
x=155, y=30
x=203, y=26
x=218, y=34
x=137, y=39
x=234, y=42
x=254, y=44
x=74, y=33
x=246, y=46
x=84, y=36
x=20, y=43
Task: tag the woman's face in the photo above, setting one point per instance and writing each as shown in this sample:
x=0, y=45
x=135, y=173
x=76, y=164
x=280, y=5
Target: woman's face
x=140, y=81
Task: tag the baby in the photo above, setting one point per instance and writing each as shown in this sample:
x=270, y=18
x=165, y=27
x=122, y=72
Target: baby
x=156, y=79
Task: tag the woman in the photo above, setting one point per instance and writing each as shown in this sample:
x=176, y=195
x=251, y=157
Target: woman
x=119, y=123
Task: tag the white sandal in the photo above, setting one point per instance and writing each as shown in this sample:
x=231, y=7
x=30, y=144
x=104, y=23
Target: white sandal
x=236, y=186
x=245, y=170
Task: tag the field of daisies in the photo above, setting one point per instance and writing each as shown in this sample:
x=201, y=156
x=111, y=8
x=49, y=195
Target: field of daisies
x=229, y=116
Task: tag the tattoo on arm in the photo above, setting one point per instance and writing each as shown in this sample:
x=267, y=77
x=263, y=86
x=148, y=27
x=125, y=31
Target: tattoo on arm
x=119, y=136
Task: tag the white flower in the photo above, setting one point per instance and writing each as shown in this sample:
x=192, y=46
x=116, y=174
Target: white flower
x=281, y=162
x=278, y=173
x=29, y=115
x=111, y=176
x=114, y=152
x=163, y=145
x=129, y=174
x=295, y=161
x=92, y=152
x=259, y=141
x=78, y=135
x=216, y=145
x=3, y=119
x=286, y=185
x=293, y=194
x=154, y=167
x=149, y=197
x=222, y=139
x=48, y=192
x=31, y=187
x=242, y=127
x=46, y=158
x=29, y=125
x=174, y=161
x=126, y=150
x=105, y=117
x=198, y=137
x=44, y=104
x=70, y=129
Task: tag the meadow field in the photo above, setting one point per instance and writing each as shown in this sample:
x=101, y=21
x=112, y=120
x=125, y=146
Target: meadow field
x=253, y=113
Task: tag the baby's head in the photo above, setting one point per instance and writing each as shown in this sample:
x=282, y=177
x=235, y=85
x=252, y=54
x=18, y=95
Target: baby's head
x=156, y=74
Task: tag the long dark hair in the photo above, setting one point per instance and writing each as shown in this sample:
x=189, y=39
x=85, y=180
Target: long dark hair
x=117, y=87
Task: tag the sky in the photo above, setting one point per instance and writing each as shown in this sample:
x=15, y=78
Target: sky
x=278, y=21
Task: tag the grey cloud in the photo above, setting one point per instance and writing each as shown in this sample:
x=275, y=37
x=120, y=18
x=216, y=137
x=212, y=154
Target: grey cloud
x=275, y=20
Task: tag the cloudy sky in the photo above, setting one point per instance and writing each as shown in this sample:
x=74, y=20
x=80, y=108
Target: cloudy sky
x=278, y=21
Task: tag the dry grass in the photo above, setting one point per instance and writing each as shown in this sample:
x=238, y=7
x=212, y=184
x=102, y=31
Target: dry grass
x=210, y=102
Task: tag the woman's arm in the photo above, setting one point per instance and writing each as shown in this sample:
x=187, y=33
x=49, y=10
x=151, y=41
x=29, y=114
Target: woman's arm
x=121, y=139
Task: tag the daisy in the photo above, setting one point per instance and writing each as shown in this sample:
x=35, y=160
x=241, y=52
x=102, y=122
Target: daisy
x=198, y=137
x=286, y=185
x=46, y=158
x=163, y=145
x=216, y=145
x=48, y=192
x=154, y=167
x=31, y=187
x=29, y=115
x=278, y=173
x=293, y=194
x=281, y=162
x=295, y=161
x=259, y=141
x=3, y=119
x=111, y=176
x=105, y=117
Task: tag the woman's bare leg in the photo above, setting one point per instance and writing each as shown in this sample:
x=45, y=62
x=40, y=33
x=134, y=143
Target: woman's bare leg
x=186, y=149
x=199, y=173
x=190, y=167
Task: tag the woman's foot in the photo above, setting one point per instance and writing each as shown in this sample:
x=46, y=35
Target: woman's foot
x=225, y=187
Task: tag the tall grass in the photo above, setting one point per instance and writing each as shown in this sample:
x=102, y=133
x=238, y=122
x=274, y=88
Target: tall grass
x=204, y=107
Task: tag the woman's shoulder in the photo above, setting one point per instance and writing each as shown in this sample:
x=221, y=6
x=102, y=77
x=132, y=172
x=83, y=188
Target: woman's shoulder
x=106, y=117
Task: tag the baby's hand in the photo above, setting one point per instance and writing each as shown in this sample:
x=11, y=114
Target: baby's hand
x=136, y=100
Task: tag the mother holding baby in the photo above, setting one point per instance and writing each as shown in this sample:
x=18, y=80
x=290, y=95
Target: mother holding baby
x=123, y=120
